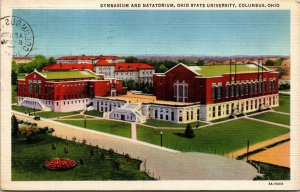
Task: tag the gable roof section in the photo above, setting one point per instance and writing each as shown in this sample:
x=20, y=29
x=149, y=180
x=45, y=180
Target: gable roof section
x=181, y=64
x=132, y=66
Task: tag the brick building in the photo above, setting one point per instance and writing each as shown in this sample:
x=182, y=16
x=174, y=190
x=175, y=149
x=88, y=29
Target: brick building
x=65, y=91
x=220, y=91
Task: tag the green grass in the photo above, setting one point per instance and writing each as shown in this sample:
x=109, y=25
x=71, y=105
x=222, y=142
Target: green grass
x=218, y=70
x=284, y=104
x=113, y=127
x=224, y=137
x=274, y=117
x=77, y=117
x=14, y=98
x=69, y=75
x=273, y=172
x=28, y=160
x=94, y=113
x=51, y=114
x=22, y=109
x=158, y=123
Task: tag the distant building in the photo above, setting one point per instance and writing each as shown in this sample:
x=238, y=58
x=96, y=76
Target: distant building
x=109, y=66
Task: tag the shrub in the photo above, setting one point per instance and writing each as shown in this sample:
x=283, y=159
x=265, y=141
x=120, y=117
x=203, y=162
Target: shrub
x=14, y=126
x=126, y=156
x=83, y=141
x=111, y=150
x=189, y=132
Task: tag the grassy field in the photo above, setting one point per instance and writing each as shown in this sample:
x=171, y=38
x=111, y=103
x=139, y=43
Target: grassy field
x=113, y=127
x=274, y=117
x=158, y=123
x=28, y=160
x=220, y=138
x=273, y=172
x=77, y=117
x=14, y=98
x=51, y=114
x=94, y=113
x=284, y=104
x=21, y=75
x=22, y=109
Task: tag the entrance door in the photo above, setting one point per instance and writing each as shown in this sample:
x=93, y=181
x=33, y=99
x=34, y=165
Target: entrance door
x=122, y=117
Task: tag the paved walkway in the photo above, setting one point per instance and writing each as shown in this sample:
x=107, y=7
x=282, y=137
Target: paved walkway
x=133, y=131
x=254, y=147
x=269, y=122
x=160, y=162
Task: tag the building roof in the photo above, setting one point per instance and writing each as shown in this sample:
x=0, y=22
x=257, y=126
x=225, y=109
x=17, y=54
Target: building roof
x=67, y=67
x=218, y=70
x=103, y=62
x=69, y=75
x=88, y=57
x=132, y=66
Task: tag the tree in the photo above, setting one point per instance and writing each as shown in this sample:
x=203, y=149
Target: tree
x=162, y=68
x=14, y=126
x=200, y=62
x=51, y=60
x=270, y=63
x=14, y=77
x=131, y=59
x=189, y=132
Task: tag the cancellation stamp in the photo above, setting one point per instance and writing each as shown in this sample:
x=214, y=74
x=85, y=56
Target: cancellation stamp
x=17, y=36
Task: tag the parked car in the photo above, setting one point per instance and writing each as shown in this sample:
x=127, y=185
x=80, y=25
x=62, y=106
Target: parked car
x=37, y=118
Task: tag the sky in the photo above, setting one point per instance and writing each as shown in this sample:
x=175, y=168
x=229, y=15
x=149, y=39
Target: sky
x=157, y=32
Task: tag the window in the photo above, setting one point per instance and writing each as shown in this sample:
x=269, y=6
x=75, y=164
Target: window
x=192, y=115
x=236, y=90
x=172, y=116
x=259, y=87
x=213, y=94
x=214, y=111
x=219, y=110
x=227, y=91
x=39, y=88
x=232, y=90
x=251, y=88
x=270, y=86
x=246, y=89
x=198, y=114
x=30, y=86
x=187, y=116
x=264, y=87
x=255, y=88
x=161, y=116
x=242, y=89
x=227, y=109
x=181, y=92
x=219, y=91
x=155, y=112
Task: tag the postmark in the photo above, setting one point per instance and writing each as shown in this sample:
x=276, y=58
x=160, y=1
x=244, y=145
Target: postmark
x=16, y=34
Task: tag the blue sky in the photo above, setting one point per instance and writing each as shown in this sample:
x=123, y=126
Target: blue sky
x=141, y=32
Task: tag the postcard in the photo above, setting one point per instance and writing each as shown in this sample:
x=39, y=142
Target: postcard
x=150, y=95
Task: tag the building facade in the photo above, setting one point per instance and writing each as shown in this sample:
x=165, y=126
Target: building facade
x=65, y=91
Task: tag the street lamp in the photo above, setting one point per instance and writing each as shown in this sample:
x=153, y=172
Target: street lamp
x=161, y=134
x=85, y=121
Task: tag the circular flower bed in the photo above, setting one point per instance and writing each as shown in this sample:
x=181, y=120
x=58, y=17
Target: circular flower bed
x=60, y=164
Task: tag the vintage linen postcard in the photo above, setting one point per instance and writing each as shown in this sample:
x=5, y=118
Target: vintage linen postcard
x=150, y=95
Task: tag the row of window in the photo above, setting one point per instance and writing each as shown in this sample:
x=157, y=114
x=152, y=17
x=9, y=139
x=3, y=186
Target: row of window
x=181, y=92
x=189, y=115
x=236, y=90
x=35, y=87
x=244, y=106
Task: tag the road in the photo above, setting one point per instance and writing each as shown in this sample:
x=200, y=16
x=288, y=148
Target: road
x=163, y=163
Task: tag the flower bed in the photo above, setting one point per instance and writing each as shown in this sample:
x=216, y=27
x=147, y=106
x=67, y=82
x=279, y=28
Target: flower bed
x=60, y=164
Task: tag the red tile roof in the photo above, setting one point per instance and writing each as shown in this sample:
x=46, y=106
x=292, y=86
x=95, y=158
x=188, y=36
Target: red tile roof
x=132, y=66
x=104, y=62
x=88, y=57
x=67, y=67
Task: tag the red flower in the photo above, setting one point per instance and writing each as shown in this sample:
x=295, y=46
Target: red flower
x=60, y=164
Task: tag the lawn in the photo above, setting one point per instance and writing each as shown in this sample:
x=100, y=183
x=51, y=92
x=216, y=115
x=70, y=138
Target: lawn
x=94, y=113
x=14, y=98
x=28, y=160
x=22, y=109
x=113, y=127
x=77, y=117
x=219, y=139
x=284, y=104
x=274, y=117
x=158, y=123
x=51, y=114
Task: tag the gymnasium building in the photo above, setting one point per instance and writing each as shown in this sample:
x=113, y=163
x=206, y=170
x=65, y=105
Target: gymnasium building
x=183, y=94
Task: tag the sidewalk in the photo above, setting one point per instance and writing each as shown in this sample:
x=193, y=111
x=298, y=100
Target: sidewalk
x=158, y=162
